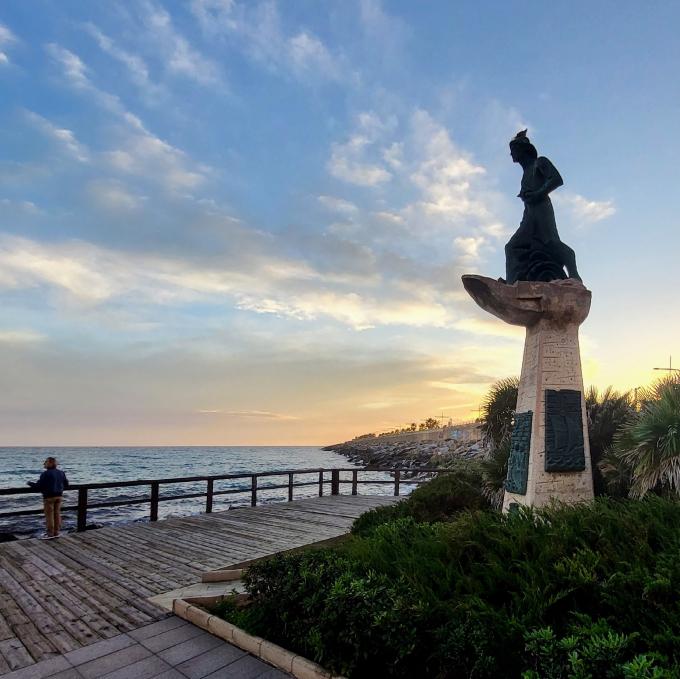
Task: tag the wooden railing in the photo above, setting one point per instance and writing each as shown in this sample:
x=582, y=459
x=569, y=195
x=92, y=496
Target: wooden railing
x=155, y=497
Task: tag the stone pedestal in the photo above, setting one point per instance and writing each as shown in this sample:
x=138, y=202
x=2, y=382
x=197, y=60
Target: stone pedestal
x=550, y=452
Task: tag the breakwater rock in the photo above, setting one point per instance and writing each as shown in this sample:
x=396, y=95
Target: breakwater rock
x=412, y=452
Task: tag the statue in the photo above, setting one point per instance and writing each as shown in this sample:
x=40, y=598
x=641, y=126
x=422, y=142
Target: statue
x=535, y=252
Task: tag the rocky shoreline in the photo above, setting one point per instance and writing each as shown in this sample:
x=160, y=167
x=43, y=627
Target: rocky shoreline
x=382, y=452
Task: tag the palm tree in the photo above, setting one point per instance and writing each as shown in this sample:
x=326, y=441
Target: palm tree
x=498, y=409
x=606, y=412
x=649, y=444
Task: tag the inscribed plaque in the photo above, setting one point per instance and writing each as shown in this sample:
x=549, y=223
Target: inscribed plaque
x=518, y=462
x=564, y=451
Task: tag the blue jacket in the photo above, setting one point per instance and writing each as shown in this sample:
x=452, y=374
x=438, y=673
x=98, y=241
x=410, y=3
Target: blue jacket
x=52, y=483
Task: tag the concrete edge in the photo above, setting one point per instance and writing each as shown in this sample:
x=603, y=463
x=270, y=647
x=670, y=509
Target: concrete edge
x=226, y=575
x=192, y=610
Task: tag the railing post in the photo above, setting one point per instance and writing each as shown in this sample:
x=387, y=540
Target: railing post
x=290, y=486
x=253, y=491
x=355, y=480
x=153, y=512
x=335, y=482
x=82, y=509
x=209, y=497
x=321, y=484
x=397, y=479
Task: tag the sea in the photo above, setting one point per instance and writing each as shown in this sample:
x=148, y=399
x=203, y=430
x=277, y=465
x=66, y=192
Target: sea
x=104, y=465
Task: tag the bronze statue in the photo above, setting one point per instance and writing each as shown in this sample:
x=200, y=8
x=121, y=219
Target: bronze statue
x=535, y=252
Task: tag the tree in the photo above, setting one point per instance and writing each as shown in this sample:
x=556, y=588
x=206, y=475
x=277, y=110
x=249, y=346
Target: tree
x=648, y=445
x=606, y=413
x=498, y=409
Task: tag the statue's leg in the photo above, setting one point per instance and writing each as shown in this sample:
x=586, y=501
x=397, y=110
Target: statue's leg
x=516, y=250
x=568, y=257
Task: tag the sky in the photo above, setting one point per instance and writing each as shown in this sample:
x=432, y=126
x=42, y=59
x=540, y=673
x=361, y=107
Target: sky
x=231, y=222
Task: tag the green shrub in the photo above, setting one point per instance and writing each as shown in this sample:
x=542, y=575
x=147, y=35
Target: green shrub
x=437, y=500
x=587, y=591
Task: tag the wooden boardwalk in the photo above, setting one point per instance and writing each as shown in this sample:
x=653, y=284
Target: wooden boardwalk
x=59, y=595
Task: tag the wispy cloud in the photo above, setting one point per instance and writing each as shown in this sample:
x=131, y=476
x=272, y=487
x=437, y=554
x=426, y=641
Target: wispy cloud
x=112, y=195
x=338, y=205
x=64, y=137
x=585, y=210
x=258, y=29
x=133, y=63
x=20, y=337
x=6, y=38
x=250, y=414
x=140, y=152
x=179, y=55
x=259, y=282
x=358, y=160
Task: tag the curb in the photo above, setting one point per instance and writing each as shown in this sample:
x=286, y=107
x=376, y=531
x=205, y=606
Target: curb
x=190, y=609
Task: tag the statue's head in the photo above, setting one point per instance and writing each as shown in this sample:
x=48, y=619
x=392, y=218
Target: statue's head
x=521, y=147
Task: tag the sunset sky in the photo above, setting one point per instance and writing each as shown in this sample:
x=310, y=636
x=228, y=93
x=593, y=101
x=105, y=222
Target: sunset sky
x=244, y=222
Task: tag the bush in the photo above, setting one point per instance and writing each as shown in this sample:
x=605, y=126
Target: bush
x=437, y=500
x=558, y=592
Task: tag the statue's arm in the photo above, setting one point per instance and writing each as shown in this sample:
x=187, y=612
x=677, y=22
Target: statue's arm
x=552, y=180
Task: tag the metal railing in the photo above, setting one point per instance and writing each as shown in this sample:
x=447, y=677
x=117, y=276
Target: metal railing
x=155, y=497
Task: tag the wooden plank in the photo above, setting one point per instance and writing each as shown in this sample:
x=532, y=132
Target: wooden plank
x=67, y=593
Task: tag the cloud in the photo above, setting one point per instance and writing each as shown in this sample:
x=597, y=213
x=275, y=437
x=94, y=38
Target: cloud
x=178, y=54
x=253, y=280
x=23, y=206
x=113, y=195
x=445, y=174
x=390, y=217
x=250, y=414
x=140, y=152
x=76, y=73
x=350, y=161
x=258, y=30
x=145, y=155
x=20, y=337
x=469, y=246
x=6, y=38
x=382, y=31
x=62, y=136
x=133, y=63
x=338, y=205
x=585, y=210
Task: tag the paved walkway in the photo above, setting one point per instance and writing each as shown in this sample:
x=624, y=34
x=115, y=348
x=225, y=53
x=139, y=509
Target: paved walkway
x=169, y=649
x=61, y=600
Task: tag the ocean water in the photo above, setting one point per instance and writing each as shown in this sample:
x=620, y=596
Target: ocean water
x=101, y=465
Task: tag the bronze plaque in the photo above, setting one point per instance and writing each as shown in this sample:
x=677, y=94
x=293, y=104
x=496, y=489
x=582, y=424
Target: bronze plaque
x=564, y=450
x=518, y=462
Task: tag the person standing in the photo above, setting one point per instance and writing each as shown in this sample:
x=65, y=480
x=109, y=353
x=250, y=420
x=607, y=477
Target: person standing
x=51, y=484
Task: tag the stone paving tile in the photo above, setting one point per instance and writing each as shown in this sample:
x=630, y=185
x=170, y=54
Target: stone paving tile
x=273, y=673
x=190, y=649
x=247, y=667
x=68, y=674
x=45, y=668
x=97, y=650
x=170, y=674
x=211, y=661
x=171, y=638
x=95, y=669
x=142, y=669
x=156, y=628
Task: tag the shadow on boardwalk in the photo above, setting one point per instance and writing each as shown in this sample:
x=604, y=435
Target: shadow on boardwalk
x=59, y=596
